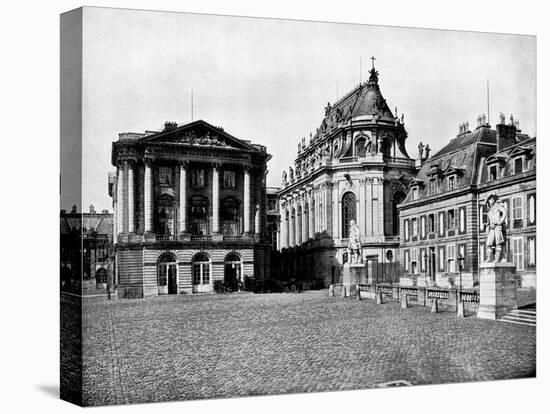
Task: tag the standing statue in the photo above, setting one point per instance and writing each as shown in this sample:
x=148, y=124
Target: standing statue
x=354, y=243
x=427, y=149
x=368, y=145
x=284, y=178
x=420, y=150
x=496, y=231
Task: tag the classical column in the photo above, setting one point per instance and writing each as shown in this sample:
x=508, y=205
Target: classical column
x=335, y=212
x=130, y=186
x=291, y=226
x=369, y=204
x=328, y=208
x=305, y=214
x=183, y=197
x=216, y=199
x=115, y=221
x=148, y=195
x=378, y=203
x=282, y=227
x=298, y=223
x=257, y=215
x=311, y=213
x=361, y=216
x=120, y=198
x=246, y=200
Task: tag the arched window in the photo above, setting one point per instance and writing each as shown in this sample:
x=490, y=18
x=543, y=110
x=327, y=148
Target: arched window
x=398, y=198
x=201, y=273
x=167, y=274
x=233, y=271
x=198, y=215
x=348, y=212
x=101, y=276
x=230, y=216
x=360, y=147
x=166, y=207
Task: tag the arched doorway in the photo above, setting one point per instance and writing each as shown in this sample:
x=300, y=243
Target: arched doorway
x=233, y=271
x=201, y=273
x=167, y=274
x=349, y=208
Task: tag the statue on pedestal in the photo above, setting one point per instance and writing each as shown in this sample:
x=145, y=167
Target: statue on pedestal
x=496, y=230
x=354, y=243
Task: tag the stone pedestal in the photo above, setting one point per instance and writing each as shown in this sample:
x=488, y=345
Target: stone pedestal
x=497, y=290
x=354, y=274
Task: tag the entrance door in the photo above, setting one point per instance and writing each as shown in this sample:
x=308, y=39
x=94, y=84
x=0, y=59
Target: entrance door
x=201, y=274
x=172, y=280
x=167, y=275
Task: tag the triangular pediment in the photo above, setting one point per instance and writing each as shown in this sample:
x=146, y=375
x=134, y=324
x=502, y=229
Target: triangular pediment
x=496, y=158
x=452, y=170
x=199, y=134
x=519, y=150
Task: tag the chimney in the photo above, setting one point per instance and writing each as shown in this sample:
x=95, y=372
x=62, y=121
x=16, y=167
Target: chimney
x=506, y=135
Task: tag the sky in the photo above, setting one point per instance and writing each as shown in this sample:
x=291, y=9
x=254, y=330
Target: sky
x=268, y=80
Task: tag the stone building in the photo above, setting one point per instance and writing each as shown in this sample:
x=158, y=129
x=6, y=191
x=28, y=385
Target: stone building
x=355, y=167
x=93, y=232
x=190, y=209
x=273, y=217
x=443, y=218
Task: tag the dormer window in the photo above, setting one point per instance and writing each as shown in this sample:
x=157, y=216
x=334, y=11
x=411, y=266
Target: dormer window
x=493, y=169
x=414, y=193
x=451, y=182
x=433, y=186
x=518, y=165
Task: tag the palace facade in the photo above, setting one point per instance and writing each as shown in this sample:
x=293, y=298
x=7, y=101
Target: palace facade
x=190, y=209
x=443, y=218
x=86, y=247
x=355, y=167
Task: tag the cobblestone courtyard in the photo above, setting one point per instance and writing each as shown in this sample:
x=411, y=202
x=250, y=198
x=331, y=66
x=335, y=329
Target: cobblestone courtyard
x=188, y=347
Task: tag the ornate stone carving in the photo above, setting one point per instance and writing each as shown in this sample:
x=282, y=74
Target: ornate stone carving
x=496, y=229
x=354, y=243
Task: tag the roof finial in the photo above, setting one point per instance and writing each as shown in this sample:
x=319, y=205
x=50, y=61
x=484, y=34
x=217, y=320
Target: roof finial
x=373, y=72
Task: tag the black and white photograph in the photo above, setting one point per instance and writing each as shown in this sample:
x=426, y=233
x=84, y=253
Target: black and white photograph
x=269, y=206
x=287, y=207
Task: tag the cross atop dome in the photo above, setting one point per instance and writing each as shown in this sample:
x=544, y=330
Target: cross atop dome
x=373, y=78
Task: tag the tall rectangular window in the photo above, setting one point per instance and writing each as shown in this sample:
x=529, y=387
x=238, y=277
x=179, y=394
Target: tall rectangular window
x=451, y=264
x=451, y=223
x=518, y=165
x=482, y=216
x=492, y=173
x=423, y=226
x=165, y=176
x=531, y=206
x=415, y=193
x=441, y=259
x=407, y=260
x=414, y=260
x=451, y=183
x=462, y=219
x=517, y=208
x=517, y=249
x=433, y=186
x=406, y=225
x=441, y=224
x=229, y=179
x=198, y=178
x=431, y=223
x=531, y=252
x=415, y=227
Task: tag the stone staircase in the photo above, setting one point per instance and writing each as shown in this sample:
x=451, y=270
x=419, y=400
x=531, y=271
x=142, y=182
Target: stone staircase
x=524, y=316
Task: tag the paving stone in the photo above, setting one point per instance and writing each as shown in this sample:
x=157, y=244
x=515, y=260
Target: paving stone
x=212, y=346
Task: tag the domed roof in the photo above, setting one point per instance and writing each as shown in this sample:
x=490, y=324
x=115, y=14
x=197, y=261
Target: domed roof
x=370, y=100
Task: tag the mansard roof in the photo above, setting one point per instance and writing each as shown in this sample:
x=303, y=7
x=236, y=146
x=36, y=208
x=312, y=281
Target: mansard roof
x=482, y=135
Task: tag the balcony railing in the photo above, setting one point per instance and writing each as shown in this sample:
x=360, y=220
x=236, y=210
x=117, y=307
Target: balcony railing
x=201, y=237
